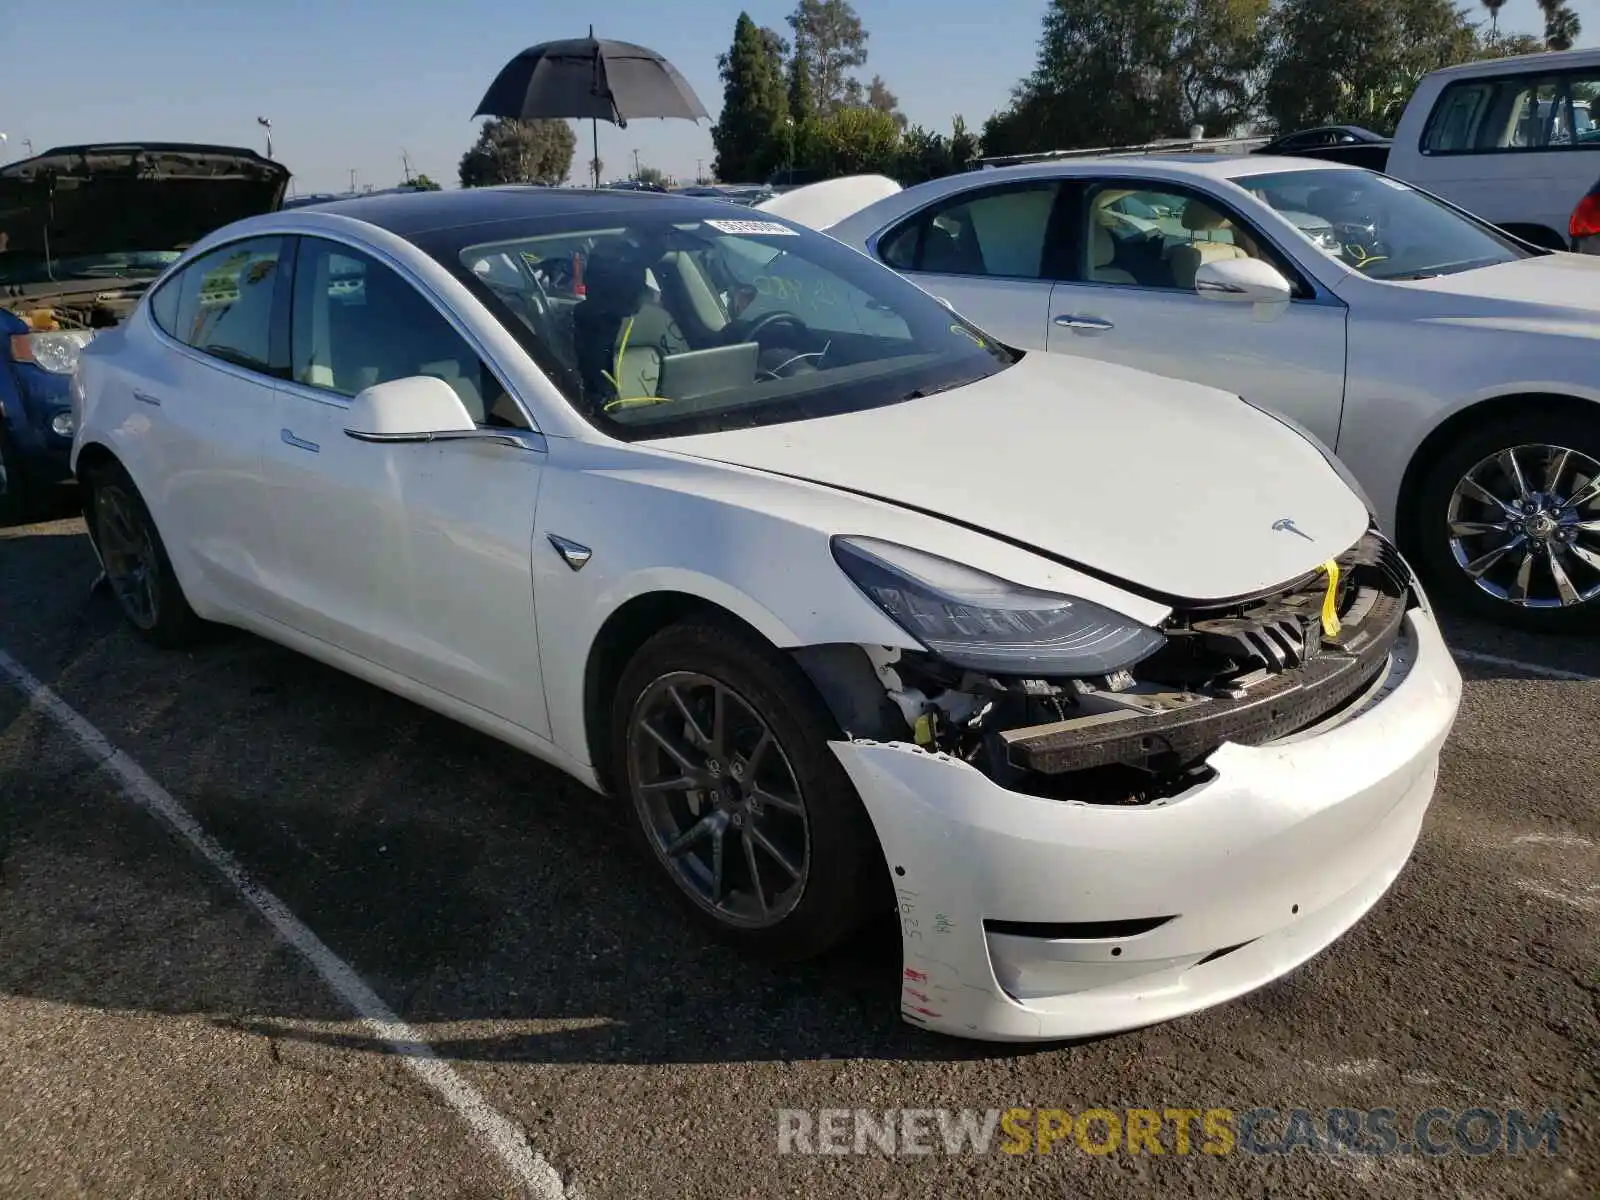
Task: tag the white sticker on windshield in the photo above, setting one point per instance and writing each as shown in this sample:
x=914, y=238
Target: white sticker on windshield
x=752, y=227
x=1393, y=183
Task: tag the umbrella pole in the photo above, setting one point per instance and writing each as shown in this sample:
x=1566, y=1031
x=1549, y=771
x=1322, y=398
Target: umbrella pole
x=594, y=165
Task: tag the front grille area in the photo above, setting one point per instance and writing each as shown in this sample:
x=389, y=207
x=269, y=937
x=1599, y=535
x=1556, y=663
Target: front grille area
x=1266, y=668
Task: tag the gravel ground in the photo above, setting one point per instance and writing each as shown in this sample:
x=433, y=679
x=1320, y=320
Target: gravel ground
x=157, y=1038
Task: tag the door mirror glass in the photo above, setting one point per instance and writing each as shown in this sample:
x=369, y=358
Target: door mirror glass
x=1243, y=281
x=415, y=409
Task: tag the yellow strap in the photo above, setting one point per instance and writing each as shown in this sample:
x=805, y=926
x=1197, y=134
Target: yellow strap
x=1330, y=600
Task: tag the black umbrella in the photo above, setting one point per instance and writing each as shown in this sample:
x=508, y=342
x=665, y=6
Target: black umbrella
x=593, y=78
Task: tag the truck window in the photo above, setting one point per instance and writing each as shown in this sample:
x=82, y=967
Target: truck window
x=1512, y=113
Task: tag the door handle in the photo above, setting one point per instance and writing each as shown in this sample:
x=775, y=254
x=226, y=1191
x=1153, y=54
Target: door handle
x=146, y=398
x=1077, y=322
x=289, y=439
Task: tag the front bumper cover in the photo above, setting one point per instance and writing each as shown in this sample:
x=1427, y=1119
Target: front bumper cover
x=1168, y=907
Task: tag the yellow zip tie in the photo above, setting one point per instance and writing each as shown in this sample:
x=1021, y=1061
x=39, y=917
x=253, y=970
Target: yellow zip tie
x=1330, y=600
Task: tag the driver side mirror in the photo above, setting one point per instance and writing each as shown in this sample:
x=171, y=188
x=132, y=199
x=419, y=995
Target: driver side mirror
x=1242, y=281
x=420, y=408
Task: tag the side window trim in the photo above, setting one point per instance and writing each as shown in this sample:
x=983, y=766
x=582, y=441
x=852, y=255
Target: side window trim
x=413, y=280
x=923, y=217
x=1562, y=80
x=1306, y=290
x=277, y=367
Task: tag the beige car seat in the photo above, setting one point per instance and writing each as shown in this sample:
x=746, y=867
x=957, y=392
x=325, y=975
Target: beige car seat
x=1187, y=258
x=1102, y=250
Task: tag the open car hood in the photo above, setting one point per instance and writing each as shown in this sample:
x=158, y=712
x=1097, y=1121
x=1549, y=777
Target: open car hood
x=1180, y=491
x=126, y=197
x=819, y=205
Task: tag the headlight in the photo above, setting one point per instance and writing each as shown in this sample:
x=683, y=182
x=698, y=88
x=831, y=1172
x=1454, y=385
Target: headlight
x=974, y=620
x=1333, y=460
x=56, y=352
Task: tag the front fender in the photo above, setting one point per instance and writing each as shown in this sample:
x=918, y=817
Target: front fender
x=670, y=526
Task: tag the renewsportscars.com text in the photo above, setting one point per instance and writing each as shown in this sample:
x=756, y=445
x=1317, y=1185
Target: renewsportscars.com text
x=1376, y=1132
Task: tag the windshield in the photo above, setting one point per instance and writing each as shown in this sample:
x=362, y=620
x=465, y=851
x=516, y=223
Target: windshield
x=657, y=326
x=1381, y=227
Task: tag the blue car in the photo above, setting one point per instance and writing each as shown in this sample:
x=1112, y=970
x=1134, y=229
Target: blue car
x=83, y=231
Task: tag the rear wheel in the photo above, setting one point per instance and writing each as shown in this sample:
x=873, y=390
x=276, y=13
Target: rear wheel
x=721, y=748
x=136, y=563
x=1508, y=523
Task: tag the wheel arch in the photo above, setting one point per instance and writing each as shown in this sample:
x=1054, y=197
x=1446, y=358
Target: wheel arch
x=1428, y=451
x=624, y=631
x=840, y=674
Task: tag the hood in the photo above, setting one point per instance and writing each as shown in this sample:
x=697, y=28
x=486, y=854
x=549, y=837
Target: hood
x=1177, y=490
x=819, y=205
x=76, y=201
x=1558, y=283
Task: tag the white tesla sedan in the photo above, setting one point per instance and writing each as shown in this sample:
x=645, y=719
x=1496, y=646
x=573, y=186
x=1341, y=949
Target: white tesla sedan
x=852, y=611
x=1456, y=371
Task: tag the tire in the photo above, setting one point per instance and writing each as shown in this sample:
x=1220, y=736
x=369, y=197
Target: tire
x=14, y=499
x=1441, y=563
x=142, y=580
x=842, y=874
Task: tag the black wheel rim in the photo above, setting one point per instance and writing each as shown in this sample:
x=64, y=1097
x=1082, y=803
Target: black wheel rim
x=128, y=552
x=719, y=799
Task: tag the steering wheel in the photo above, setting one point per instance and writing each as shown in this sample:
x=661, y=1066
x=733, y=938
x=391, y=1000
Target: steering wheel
x=759, y=325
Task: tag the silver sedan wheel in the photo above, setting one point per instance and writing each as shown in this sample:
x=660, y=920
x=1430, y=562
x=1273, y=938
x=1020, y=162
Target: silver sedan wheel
x=1525, y=525
x=719, y=799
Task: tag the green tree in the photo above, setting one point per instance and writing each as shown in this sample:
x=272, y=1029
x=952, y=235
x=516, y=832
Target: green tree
x=1561, y=25
x=1214, y=76
x=830, y=36
x=856, y=141
x=1103, y=77
x=881, y=98
x=422, y=183
x=749, y=134
x=1358, y=61
x=1494, y=7
x=652, y=175
x=514, y=151
x=802, y=103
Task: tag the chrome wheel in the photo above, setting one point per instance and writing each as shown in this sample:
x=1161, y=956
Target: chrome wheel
x=129, y=553
x=1524, y=524
x=719, y=799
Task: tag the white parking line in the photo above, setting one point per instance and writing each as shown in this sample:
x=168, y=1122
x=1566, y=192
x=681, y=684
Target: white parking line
x=1494, y=660
x=504, y=1138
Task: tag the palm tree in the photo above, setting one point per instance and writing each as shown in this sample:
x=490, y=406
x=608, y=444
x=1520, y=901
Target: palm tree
x=1561, y=25
x=1494, y=7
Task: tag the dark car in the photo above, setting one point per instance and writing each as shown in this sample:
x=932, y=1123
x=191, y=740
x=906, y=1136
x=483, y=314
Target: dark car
x=84, y=230
x=1348, y=144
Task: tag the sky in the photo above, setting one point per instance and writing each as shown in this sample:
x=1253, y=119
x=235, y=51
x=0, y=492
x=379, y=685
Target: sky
x=352, y=85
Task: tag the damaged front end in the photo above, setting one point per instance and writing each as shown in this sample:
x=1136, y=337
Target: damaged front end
x=1301, y=658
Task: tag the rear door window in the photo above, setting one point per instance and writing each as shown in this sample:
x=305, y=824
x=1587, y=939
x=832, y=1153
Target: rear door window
x=998, y=232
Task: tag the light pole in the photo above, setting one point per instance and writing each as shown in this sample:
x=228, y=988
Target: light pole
x=352, y=181
x=636, y=164
x=267, y=125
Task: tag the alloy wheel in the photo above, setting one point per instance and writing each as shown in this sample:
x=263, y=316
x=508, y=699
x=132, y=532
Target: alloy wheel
x=719, y=799
x=128, y=552
x=1524, y=524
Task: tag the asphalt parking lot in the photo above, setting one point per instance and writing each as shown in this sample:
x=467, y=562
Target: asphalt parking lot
x=160, y=1036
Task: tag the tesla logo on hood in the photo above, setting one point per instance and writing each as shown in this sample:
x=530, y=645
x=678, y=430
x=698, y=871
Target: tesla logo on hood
x=1287, y=525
